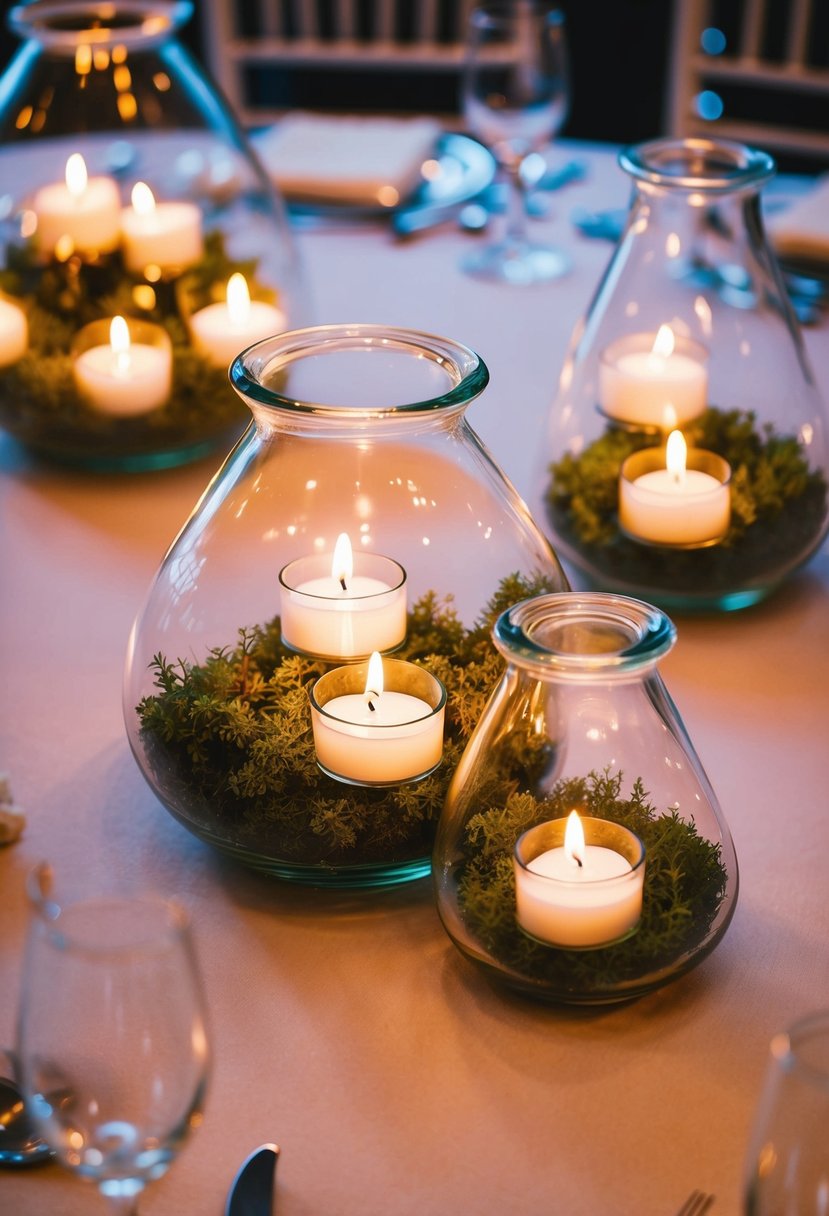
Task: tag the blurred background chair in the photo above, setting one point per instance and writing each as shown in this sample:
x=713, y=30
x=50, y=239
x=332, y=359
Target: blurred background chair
x=755, y=71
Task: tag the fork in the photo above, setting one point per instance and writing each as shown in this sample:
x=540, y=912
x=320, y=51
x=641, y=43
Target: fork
x=697, y=1203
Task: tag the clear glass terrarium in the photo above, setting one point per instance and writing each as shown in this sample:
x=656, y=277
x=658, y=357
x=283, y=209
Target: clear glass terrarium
x=641, y=882
x=359, y=520
x=691, y=331
x=128, y=191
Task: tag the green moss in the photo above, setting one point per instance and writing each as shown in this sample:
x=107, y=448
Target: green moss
x=230, y=744
x=39, y=403
x=685, y=882
x=778, y=507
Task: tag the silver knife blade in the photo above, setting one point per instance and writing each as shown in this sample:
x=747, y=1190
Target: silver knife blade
x=252, y=1191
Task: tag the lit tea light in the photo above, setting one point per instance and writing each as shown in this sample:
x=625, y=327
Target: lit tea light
x=579, y=886
x=378, y=723
x=123, y=376
x=14, y=333
x=167, y=234
x=83, y=210
x=221, y=331
x=641, y=374
x=334, y=608
x=675, y=497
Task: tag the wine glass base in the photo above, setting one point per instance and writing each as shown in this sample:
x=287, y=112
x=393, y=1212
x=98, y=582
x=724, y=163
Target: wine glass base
x=521, y=264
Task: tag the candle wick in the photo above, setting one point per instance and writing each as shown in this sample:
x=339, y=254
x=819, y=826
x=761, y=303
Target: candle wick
x=371, y=705
x=342, y=584
x=578, y=860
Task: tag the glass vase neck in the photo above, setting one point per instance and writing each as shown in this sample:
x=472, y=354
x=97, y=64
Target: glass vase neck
x=584, y=636
x=64, y=25
x=357, y=374
x=703, y=167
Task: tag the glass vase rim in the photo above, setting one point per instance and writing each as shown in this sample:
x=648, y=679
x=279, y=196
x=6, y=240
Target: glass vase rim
x=645, y=634
x=733, y=166
x=787, y=1048
x=293, y=344
x=144, y=22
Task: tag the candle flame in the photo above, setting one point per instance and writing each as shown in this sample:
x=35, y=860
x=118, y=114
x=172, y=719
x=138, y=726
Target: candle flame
x=76, y=175
x=374, y=679
x=143, y=199
x=342, y=564
x=669, y=418
x=676, y=455
x=664, y=342
x=119, y=340
x=238, y=300
x=574, y=840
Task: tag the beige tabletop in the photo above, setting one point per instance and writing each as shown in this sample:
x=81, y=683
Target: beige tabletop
x=346, y=1026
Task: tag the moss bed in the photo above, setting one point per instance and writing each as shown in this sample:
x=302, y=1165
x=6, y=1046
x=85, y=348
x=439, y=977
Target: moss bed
x=39, y=403
x=685, y=884
x=229, y=743
x=778, y=509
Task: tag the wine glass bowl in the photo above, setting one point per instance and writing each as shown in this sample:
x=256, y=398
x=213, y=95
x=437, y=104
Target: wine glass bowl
x=112, y=1038
x=515, y=100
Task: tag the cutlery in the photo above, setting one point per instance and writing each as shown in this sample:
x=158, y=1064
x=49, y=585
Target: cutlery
x=697, y=1203
x=252, y=1191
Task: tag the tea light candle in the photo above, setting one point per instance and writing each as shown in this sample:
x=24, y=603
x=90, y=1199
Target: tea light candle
x=14, y=333
x=640, y=375
x=124, y=377
x=680, y=498
x=85, y=209
x=331, y=611
x=220, y=331
x=378, y=723
x=574, y=893
x=167, y=235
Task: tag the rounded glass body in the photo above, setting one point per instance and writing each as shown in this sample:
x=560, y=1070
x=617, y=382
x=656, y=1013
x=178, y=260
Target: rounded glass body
x=581, y=721
x=690, y=329
x=357, y=431
x=128, y=189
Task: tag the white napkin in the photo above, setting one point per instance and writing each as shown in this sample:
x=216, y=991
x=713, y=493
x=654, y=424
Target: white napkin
x=802, y=230
x=342, y=159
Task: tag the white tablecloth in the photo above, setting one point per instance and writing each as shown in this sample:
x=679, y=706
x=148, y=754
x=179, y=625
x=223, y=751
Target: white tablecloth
x=346, y=1026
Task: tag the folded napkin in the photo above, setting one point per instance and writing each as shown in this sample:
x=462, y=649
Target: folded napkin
x=802, y=230
x=340, y=159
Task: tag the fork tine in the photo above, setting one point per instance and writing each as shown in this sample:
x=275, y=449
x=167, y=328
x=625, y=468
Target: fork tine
x=697, y=1204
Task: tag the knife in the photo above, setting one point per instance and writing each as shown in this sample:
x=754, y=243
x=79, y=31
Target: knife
x=252, y=1191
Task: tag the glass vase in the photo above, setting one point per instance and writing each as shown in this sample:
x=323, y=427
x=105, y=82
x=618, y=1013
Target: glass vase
x=128, y=191
x=641, y=883
x=359, y=514
x=691, y=331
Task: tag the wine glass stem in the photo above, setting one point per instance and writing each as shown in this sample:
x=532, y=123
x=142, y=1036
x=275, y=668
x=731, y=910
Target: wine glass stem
x=516, y=207
x=123, y=1205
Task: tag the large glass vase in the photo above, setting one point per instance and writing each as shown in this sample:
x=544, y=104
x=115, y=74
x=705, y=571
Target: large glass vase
x=359, y=516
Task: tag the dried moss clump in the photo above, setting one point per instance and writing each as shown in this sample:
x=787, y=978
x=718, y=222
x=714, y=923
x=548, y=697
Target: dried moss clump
x=778, y=506
x=39, y=403
x=229, y=741
x=685, y=882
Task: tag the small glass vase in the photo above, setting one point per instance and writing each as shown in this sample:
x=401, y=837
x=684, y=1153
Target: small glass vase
x=260, y=614
x=690, y=331
x=129, y=191
x=581, y=722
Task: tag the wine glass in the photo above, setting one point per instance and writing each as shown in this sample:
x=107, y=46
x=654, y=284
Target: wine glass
x=787, y=1166
x=112, y=1039
x=515, y=99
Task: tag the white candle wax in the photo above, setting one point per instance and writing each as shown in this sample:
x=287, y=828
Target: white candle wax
x=221, y=331
x=165, y=234
x=638, y=382
x=14, y=333
x=688, y=506
x=87, y=210
x=399, y=739
x=124, y=382
x=320, y=617
x=565, y=905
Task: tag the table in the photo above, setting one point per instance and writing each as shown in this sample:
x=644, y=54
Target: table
x=346, y=1026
